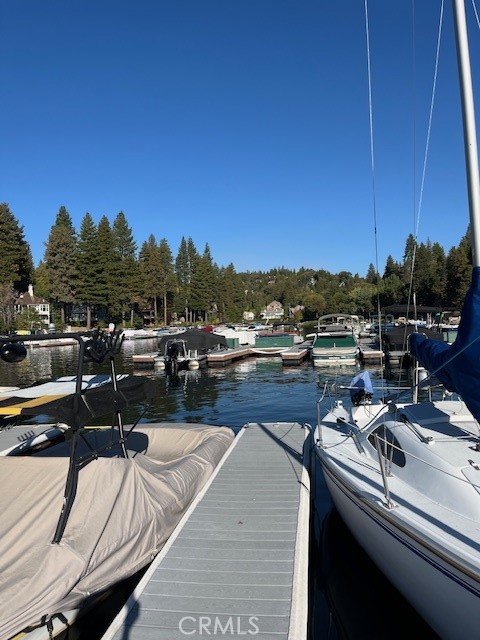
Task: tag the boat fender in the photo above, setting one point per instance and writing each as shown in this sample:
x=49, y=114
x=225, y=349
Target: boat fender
x=13, y=351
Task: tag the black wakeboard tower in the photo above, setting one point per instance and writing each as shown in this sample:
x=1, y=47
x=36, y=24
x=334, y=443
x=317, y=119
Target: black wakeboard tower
x=77, y=409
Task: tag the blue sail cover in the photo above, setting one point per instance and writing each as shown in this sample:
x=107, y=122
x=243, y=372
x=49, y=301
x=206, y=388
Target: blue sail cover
x=457, y=366
x=361, y=388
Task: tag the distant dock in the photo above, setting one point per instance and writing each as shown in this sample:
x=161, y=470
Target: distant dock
x=237, y=564
x=223, y=357
x=370, y=355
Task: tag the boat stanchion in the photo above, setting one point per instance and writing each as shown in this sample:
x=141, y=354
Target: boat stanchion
x=319, y=441
x=386, y=491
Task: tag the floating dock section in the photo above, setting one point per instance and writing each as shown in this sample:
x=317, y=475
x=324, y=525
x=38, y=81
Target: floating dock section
x=223, y=357
x=237, y=564
x=370, y=355
x=293, y=356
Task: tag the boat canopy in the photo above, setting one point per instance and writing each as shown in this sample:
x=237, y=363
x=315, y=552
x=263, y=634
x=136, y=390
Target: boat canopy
x=457, y=366
x=330, y=341
x=194, y=339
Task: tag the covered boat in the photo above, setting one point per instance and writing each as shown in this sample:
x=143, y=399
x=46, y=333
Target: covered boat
x=125, y=509
x=187, y=350
x=83, y=514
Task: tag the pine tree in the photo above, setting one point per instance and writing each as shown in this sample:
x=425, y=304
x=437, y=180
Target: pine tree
x=16, y=264
x=372, y=274
x=392, y=268
x=42, y=286
x=430, y=274
x=149, y=264
x=125, y=271
x=61, y=261
x=232, y=296
x=185, y=265
x=459, y=271
x=89, y=266
x=204, y=285
x=105, y=260
x=166, y=275
x=439, y=283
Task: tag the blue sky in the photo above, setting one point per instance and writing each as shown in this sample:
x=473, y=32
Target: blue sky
x=241, y=123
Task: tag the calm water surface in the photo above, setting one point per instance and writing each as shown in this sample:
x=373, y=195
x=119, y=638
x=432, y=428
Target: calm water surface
x=351, y=597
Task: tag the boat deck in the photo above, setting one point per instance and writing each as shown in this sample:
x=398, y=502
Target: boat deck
x=237, y=564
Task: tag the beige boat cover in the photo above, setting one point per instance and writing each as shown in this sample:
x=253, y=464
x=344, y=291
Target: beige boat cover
x=124, y=512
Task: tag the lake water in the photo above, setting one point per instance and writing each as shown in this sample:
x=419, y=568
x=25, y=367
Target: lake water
x=351, y=598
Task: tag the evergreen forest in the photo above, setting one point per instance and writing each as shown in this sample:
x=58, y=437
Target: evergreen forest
x=97, y=274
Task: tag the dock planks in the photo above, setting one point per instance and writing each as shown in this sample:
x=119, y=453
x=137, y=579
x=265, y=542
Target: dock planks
x=221, y=358
x=238, y=562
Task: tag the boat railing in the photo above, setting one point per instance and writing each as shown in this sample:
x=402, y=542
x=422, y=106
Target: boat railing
x=384, y=447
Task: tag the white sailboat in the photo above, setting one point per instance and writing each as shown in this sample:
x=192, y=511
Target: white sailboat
x=405, y=477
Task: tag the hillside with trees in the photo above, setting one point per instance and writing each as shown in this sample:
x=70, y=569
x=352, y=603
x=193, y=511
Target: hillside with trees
x=97, y=274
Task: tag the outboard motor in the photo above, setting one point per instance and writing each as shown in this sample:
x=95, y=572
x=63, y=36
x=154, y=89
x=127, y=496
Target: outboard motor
x=172, y=351
x=172, y=356
x=361, y=390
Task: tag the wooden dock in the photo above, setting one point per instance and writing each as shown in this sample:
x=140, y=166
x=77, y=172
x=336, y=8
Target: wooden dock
x=371, y=355
x=144, y=359
x=293, y=356
x=226, y=356
x=296, y=355
x=237, y=564
x=223, y=357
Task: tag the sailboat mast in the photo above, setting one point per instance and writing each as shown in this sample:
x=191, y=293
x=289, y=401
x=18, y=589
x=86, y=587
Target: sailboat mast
x=469, y=129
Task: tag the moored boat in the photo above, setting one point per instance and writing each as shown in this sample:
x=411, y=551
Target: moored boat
x=88, y=512
x=334, y=344
x=405, y=475
x=187, y=350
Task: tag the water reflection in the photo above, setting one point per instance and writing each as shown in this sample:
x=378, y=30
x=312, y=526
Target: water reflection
x=40, y=364
x=362, y=603
x=254, y=389
x=268, y=364
x=184, y=392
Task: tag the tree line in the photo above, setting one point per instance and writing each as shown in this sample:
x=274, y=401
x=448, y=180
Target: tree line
x=98, y=274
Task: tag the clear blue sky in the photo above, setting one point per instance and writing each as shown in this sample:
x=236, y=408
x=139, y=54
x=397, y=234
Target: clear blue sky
x=241, y=123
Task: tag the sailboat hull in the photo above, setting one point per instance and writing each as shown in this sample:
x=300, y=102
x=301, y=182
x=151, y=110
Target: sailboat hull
x=443, y=591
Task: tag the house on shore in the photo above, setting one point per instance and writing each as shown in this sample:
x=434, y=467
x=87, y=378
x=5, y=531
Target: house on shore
x=30, y=301
x=273, y=311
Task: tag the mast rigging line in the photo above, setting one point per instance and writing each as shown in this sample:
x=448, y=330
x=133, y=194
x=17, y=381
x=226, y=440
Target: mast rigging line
x=372, y=164
x=411, y=292
x=476, y=13
x=417, y=216
x=429, y=129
